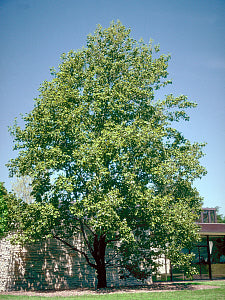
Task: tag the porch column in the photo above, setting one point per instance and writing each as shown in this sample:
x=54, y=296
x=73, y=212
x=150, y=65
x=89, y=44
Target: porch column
x=209, y=258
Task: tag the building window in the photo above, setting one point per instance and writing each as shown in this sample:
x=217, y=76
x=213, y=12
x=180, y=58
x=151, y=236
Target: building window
x=205, y=216
x=212, y=216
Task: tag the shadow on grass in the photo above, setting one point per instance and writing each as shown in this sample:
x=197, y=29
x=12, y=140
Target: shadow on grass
x=153, y=287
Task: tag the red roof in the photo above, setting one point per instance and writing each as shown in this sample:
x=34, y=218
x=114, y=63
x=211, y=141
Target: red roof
x=212, y=229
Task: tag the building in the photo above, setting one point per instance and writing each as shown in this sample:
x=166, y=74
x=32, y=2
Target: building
x=210, y=252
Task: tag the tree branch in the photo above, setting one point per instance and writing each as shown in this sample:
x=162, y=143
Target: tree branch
x=109, y=260
x=116, y=239
x=88, y=227
x=85, y=237
x=77, y=250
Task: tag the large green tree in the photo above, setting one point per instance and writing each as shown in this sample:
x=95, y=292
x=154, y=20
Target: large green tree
x=105, y=159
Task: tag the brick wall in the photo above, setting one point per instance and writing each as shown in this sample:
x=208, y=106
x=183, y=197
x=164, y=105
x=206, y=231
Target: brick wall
x=48, y=265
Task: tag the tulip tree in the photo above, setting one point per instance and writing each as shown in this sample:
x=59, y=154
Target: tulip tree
x=106, y=159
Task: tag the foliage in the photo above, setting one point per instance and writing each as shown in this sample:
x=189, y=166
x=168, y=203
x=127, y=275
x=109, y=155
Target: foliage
x=8, y=207
x=106, y=160
x=3, y=210
x=220, y=217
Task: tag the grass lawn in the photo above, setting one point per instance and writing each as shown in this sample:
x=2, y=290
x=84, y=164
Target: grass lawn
x=208, y=294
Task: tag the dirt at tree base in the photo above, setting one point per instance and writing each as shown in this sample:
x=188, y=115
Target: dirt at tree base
x=156, y=287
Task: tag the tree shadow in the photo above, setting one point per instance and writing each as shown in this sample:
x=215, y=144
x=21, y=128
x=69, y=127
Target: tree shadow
x=47, y=265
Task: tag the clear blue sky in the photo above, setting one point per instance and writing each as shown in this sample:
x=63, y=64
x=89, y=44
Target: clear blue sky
x=34, y=33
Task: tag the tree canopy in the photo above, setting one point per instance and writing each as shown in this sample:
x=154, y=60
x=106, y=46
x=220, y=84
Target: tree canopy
x=106, y=159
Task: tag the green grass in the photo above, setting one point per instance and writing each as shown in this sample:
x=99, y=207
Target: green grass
x=208, y=294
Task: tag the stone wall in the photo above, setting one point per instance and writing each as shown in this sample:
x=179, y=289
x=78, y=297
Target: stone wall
x=48, y=265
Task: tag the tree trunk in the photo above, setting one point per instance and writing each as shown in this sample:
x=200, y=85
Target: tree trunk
x=99, y=256
x=101, y=276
